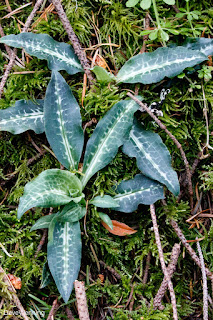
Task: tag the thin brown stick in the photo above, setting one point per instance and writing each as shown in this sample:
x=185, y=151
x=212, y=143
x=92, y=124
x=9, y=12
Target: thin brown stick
x=41, y=243
x=177, y=143
x=7, y=71
x=14, y=296
x=13, y=52
x=8, y=5
x=146, y=37
x=74, y=39
x=69, y=313
x=205, y=287
x=1, y=303
x=146, y=271
x=43, y=238
x=163, y=265
x=53, y=310
x=6, y=47
x=113, y=272
x=81, y=300
x=189, y=248
x=171, y=269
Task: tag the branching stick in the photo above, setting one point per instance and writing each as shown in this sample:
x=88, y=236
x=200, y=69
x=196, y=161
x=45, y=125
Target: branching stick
x=163, y=265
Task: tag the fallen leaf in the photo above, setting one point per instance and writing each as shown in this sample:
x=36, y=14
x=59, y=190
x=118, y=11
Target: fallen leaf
x=119, y=228
x=16, y=282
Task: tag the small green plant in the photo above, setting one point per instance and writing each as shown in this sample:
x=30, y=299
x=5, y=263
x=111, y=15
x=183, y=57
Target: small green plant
x=159, y=31
x=58, y=115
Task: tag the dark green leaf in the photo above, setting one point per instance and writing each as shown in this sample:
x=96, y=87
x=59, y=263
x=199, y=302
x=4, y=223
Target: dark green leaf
x=64, y=256
x=152, y=156
x=46, y=276
x=52, y=188
x=204, y=45
x=104, y=202
x=43, y=222
x=154, y=66
x=105, y=218
x=108, y=136
x=140, y=190
x=25, y=115
x=60, y=56
x=72, y=212
x=62, y=121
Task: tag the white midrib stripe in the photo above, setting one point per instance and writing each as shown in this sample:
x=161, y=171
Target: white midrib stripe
x=148, y=157
x=33, y=116
x=41, y=195
x=143, y=70
x=63, y=133
x=56, y=54
x=130, y=193
x=66, y=247
x=101, y=146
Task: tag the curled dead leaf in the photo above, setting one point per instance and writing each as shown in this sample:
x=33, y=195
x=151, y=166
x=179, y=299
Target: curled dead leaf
x=119, y=228
x=16, y=282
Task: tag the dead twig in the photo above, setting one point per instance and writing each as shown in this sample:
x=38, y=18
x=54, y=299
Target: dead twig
x=69, y=313
x=90, y=123
x=41, y=243
x=130, y=296
x=81, y=300
x=189, y=248
x=163, y=265
x=43, y=238
x=177, y=143
x=205, y=287
x=146, y=27
x=171, y=269
x=9, y=51
x=53, y=310
x=110, y=269
x=11, y=13
x=146, y=271
x=8, y=5
x=7, y=71
x=14, y=296
x=13, y=52
x=74, y=39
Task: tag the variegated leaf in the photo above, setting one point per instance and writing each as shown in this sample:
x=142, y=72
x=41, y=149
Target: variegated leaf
x=25, y=115
x=51, y=188
x=153, y=157
x=104, y=202
x=72, y=212
x=163, y=62
x=108, y=136
x=204, y=45
x=106, y=219
x=43, y=222
x=46, y=276
x=62, y=121
x=60, y=56
x=140, y=190
x=64, y=256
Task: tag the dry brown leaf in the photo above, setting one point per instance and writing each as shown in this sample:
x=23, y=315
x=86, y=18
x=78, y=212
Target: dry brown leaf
x=119, y=228
x=16, y=282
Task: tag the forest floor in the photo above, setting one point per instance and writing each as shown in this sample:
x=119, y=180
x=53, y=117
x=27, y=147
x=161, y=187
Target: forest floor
x=122, y=274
